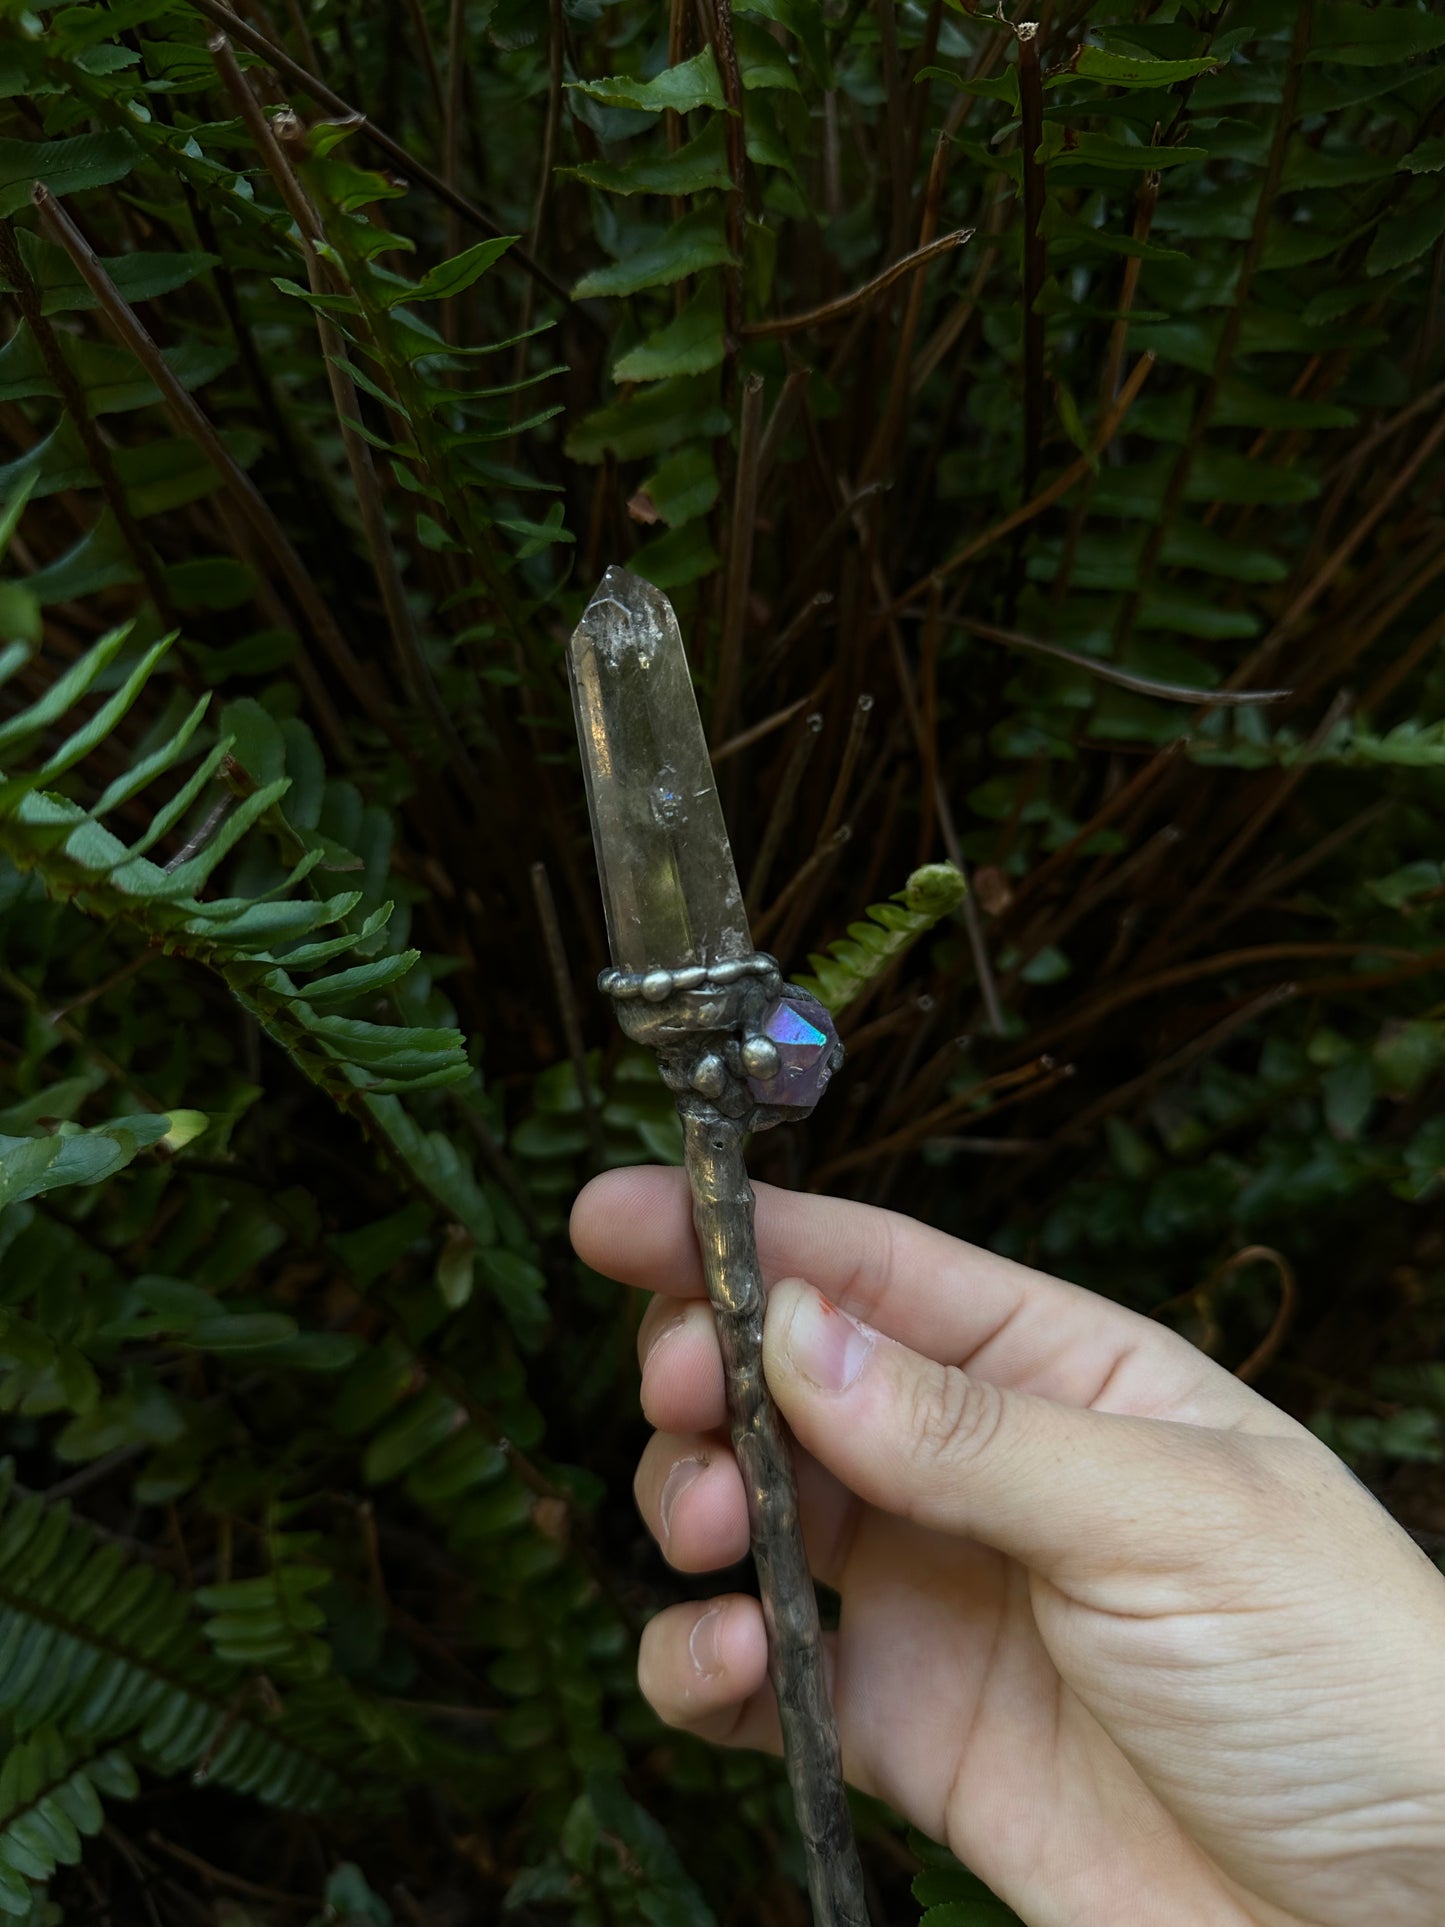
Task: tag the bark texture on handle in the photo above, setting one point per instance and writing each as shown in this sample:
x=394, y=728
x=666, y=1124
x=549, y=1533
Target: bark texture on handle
x=723, y=1214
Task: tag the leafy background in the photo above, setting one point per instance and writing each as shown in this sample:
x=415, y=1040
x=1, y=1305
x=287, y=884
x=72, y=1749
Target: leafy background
x=319, y=1575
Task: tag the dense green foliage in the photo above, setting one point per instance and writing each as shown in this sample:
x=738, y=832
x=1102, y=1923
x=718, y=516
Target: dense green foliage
x=308, y=469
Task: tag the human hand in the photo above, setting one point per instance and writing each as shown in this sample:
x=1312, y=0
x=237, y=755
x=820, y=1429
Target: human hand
x=1127, y=1638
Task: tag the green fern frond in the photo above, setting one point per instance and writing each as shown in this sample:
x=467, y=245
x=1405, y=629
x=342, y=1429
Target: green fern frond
x=254, y=943
x=106, y=1650
x=269, y=948
x=852, y=963
x=49, y=1798
x=72, y=1155
x=272, y=1620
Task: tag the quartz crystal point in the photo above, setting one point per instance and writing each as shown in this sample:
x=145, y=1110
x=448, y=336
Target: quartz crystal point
x=668, y=880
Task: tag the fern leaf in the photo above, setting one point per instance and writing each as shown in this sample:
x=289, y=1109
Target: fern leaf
x=108, y=1652
x=63, y=693
x=49, y=1797
x=32, y=1165
x=852, y=963
x=692, y=83
x=78, y=858
x=169, y=814
x=660, y=258
x=272, y=1620
x=82, y=741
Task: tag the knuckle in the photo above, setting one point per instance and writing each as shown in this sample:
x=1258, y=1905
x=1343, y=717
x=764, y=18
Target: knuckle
x=954, y=1419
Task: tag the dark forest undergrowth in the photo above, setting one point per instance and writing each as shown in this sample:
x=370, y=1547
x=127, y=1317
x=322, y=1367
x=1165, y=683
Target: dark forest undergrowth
x=1038, y=428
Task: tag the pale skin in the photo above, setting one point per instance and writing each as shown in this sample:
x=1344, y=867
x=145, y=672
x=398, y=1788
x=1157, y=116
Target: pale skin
x=1122, y=1634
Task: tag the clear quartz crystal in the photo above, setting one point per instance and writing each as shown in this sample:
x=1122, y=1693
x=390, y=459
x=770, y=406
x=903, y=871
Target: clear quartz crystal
x=668, y=880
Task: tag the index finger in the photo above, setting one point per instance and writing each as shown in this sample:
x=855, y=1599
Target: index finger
x=951, y=1301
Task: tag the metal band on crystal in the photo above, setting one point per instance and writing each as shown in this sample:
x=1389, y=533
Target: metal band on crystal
x=733, y=1035
x=655, y=985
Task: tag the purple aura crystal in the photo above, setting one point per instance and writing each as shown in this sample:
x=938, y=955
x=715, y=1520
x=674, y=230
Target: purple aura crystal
x=803, y=1034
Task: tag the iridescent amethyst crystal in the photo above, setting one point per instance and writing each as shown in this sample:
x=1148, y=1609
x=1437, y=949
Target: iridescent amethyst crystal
x=801, y=1031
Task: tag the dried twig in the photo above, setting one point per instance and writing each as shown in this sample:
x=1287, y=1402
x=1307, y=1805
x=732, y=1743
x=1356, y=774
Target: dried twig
x=1134, y=990
x=928, y=1125
x=720, y=35
x=567, y=1007
x=415, y=170
x=781, y=814
x=1263, y=1354
x=847, y=304
x=1172, y=692
x=778, y=651
x=192, y=421
x=1144, y=210
x=1208, y=1041
x=1047, y=496
x=890, y=422
x=1285, y=784
x=1393, y=674
x=745, y=738
x=943, y=808
x=895, y=121
x=72, y=396
x=452, y=135
x=1400, y=480
x=1031, y=134
x=346, y=403
x=806, y=872
x=423, y=40
x=785, y=411
x=740, y=557
x=232, y=1882
x=852, y=749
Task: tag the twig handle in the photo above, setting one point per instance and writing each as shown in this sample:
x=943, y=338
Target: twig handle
x=723, y=1214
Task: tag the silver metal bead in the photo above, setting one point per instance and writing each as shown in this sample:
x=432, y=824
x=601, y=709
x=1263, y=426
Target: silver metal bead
x=710, y=1076
x=656, y=986
x=760, y=1057
x=729, y=972
x=690, y=978
x=623, y=985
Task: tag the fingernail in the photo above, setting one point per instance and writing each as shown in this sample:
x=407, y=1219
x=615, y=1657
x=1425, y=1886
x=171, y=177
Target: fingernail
x=705, y=1643
x=676, y=1483
x=670, y=1330
x=825, y=1344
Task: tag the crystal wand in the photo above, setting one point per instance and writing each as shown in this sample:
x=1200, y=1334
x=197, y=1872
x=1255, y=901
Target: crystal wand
x=740, y=1050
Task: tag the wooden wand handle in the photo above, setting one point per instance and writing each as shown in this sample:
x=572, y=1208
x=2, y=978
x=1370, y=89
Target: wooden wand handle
x=723, y=1214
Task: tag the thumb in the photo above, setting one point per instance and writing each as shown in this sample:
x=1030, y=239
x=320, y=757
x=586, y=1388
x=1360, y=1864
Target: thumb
x=1074, y=1494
